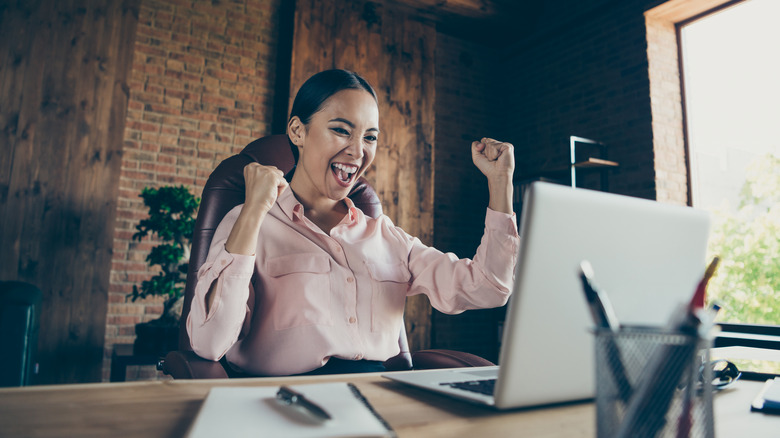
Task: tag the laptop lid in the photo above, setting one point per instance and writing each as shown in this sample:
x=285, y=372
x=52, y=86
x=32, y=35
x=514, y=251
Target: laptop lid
x=647, y=257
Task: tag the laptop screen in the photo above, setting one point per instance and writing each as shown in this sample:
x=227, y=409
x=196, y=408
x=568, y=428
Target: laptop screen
x=647, y=257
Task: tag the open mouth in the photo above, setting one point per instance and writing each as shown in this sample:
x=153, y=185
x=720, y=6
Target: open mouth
x=344, y=173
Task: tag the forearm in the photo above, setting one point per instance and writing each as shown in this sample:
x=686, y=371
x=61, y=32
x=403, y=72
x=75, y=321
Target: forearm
x=501, y=195
x=243, y=236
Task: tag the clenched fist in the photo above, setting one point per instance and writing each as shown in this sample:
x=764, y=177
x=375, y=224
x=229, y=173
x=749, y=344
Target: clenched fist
x=496, y=160
x=263, y=185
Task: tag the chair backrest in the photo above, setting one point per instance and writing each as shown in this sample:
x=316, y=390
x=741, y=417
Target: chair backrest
x=20, y=309
x=225, y=189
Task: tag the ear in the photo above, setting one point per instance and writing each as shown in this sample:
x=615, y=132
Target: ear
x=296, y=131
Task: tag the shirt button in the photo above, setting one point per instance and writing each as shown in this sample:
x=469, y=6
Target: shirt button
x=352, y=319
x=338, y=249
x=350, y=279
x=358, y=356
x=223, y=262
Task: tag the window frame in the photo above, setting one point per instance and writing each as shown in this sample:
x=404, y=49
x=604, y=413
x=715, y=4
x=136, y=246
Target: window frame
x=730, y=334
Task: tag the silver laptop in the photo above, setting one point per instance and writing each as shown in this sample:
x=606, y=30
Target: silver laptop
x=648, y=257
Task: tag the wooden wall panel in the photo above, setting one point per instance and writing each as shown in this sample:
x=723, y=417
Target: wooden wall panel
x=395, y=53
x=63, y=98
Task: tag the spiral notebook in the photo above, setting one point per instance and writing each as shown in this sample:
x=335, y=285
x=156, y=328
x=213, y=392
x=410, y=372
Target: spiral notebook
x=254, y=412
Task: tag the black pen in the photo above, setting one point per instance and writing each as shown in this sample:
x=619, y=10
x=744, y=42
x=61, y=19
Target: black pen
x=290, y=397
x=600, y=306
x=605, y=318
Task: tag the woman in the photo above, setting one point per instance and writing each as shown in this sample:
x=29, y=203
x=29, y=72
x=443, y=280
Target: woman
x=331, y=282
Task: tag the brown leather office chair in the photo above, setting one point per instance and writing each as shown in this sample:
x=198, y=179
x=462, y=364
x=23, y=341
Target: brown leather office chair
x=224, y=190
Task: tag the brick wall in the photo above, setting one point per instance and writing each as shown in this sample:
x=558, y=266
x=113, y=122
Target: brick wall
x=584, y=72
x=671, y=161
x=595, y=69
x=201, y=88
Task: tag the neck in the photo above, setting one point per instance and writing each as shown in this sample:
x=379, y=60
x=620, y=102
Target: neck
x=318, y=208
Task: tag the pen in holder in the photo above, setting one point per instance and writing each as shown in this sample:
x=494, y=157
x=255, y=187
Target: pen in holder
x=669, y=392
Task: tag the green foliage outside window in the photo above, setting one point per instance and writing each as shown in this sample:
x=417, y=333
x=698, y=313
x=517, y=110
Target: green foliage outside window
x=747, y=282
x=171, y=218
x=748, y=241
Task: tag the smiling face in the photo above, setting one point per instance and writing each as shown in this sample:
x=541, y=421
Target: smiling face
x=336, y=146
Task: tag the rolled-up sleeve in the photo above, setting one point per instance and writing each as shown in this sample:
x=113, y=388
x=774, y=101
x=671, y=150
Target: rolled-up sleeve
x=212, y=333
x=454, y=285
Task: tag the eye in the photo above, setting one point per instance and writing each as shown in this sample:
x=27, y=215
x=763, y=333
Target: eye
x=340, y=131
x=370, y=138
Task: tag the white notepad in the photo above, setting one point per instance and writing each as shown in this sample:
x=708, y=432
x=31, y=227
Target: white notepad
x=254, y=412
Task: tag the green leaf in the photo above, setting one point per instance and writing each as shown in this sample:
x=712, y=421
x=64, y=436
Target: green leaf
x=747, y=283
x=172, y=220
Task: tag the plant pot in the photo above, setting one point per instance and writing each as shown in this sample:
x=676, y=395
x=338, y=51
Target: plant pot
x=156, y=337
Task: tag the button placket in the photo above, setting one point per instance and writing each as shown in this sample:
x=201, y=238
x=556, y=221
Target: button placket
x=337, y=250
x=350, y=284
x=352, y=288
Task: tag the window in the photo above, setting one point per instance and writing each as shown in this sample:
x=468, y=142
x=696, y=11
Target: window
x=730, y=61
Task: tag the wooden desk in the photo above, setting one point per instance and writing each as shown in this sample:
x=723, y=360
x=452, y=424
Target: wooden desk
x=166, y=409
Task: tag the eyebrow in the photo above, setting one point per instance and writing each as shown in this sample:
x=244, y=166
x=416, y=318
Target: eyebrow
x=351, y=125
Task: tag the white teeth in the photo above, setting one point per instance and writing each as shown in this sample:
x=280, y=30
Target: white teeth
x=345, y=167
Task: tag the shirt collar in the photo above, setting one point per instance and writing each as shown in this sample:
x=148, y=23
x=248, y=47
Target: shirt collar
x=353, y=213
x=294, y=210
x=289, y=205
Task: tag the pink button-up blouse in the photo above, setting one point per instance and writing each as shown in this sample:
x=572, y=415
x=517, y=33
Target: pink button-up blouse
x=316, y=296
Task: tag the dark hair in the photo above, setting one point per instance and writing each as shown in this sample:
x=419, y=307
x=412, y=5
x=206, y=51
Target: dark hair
x=319, y=88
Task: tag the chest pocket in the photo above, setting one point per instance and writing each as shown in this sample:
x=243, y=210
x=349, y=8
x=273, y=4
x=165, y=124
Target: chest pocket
x=299, y=290
x=390, y=282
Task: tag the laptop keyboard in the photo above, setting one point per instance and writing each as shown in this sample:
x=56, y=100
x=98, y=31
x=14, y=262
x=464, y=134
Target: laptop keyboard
x=480, y=386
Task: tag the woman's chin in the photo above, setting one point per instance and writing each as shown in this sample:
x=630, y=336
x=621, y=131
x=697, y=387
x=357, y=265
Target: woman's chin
x=337, y=192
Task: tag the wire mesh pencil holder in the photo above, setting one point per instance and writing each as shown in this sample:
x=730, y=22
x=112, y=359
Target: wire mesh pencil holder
x=651, y=383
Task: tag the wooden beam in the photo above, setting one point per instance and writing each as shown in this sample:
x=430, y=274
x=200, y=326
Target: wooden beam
x=63, y=86
x=490, y=22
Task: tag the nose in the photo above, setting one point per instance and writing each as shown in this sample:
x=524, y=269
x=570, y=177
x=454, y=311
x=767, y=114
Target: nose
x=355, y=149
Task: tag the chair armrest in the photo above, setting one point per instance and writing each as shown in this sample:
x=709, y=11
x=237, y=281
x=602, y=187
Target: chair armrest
x=188, y=365
x=434, y=359
x=399, y=362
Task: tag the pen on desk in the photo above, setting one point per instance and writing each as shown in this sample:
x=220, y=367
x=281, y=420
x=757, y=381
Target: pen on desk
x=290, y=397
x=604, y=317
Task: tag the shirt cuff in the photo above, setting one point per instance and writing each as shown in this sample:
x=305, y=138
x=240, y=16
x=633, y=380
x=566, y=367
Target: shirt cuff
x=235, y=265
x=501, y=222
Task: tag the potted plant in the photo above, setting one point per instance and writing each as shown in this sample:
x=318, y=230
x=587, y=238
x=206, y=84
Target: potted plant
x=171, y=218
